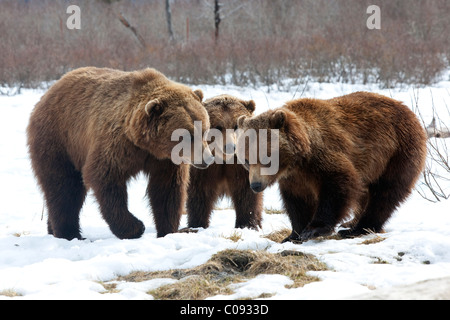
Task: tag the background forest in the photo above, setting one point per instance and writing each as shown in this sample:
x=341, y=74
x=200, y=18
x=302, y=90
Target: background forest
x=249, y=42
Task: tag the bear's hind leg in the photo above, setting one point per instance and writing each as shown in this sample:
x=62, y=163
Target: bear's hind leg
x=386, y=194
x=65, y=194
x=358, y=211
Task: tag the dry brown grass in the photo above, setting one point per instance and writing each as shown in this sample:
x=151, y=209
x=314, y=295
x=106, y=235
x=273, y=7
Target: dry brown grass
x=10, y=293
x=264, y=42
x=280, y=235
x=228, y=267
x=196, y=287
x=235, y=236
x=375, y=238
x=271, y=210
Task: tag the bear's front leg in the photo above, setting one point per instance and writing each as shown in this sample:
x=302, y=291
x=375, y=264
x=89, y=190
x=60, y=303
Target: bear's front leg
x=202, y=194
x=107, y=176
x=339, y=190
x=247, y=204
x=300, y=209
x=113, y=200
x=167, y=193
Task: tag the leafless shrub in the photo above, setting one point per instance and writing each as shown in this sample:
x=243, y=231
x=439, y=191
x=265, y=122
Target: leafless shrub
x=436, y=177
x=435, y=183
x=261, y=41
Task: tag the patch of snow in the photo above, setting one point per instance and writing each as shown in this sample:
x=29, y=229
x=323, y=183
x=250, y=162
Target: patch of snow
x=38, y=266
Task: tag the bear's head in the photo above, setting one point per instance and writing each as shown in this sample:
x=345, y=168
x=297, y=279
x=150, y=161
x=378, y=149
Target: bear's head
x=224, y=112
x=164, y=114
x=270, y=145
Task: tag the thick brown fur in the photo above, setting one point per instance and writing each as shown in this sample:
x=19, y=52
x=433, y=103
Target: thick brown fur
x=206, y=186
x=97, y=128
x=362, y=151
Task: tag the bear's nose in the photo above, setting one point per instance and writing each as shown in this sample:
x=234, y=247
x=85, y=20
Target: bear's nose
x=256, y=187
x=230, y=148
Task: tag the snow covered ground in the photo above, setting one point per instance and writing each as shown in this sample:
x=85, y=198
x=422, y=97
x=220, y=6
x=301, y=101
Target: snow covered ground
x=35, y=265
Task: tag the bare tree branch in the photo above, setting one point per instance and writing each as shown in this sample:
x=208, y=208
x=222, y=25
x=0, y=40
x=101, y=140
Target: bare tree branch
x=132, y=28
x=229, y=13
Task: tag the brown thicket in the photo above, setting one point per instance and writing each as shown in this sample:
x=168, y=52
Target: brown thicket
x=260, y=41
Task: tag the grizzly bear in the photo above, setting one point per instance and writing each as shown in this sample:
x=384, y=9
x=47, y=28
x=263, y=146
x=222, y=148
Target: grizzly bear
x=225, y=177
x=362, y=152
x=97, y=128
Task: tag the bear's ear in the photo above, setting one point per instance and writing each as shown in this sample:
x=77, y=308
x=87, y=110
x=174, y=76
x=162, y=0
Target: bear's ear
x=277, y=120
x=199, y=94
x=153, y=107
x=240, y=121
x=250, y=105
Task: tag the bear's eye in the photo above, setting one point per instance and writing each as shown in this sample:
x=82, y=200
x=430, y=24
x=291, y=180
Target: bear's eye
x=236, y=127
x=220, y=128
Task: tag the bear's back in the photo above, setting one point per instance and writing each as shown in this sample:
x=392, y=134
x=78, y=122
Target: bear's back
x=367, y=127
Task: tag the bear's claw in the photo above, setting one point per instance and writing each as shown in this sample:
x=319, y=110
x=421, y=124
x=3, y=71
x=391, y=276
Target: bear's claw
x=308, y=234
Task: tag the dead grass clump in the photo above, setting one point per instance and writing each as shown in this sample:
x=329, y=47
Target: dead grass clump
x=272, y=210
x=374, y=239
x=10, y=293
x=292, y=264
x=229, y=267
x=194, y=287
x=235, y=236
x=278, y=236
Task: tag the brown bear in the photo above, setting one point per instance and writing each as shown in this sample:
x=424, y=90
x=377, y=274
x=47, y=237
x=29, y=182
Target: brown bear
x=225, y=177
x=97, y=128
x=362, y=151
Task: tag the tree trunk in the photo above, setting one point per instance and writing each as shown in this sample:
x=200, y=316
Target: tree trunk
x=217, y=19
x=169, y=19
